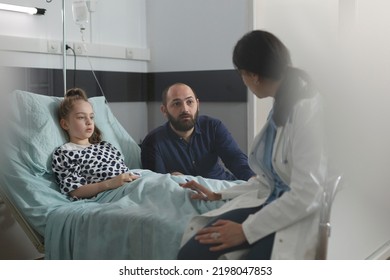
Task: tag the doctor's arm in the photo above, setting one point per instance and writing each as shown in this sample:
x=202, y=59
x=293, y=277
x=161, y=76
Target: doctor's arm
x=200, y=191
x=203, y=193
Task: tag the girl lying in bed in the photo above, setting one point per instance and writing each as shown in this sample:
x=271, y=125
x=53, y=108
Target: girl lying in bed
x=86, y=165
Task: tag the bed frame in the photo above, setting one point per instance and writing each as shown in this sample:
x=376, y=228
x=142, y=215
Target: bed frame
x=36, y=239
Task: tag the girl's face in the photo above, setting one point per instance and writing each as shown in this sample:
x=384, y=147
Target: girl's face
x=80, y=123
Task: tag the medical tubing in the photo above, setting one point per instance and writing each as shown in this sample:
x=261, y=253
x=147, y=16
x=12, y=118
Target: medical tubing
x=89, y=61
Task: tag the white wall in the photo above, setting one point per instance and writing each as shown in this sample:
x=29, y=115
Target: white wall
x=343, y=45
x=361, y=133
x=195, y=35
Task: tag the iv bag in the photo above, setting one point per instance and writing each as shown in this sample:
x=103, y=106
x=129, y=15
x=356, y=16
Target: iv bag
x=80, y=13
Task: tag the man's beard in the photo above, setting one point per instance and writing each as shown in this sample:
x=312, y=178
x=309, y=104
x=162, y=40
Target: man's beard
x=183, y=125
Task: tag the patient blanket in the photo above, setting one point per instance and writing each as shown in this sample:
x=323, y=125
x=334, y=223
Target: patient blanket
x=144, y=219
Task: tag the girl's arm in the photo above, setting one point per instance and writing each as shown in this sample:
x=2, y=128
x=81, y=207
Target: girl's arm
x=91, y=190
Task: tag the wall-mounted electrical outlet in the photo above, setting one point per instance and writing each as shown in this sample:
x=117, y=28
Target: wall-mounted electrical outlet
x=129, y=53
x=53, y=47
x=78, y=48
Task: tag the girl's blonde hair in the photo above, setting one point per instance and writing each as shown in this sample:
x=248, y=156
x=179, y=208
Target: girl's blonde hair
x=66, y=106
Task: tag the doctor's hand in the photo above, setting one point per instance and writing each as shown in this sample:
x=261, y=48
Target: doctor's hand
x=200, y=191
x=223, y=234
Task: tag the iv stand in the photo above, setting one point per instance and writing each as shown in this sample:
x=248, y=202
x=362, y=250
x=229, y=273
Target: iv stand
x=64, y=45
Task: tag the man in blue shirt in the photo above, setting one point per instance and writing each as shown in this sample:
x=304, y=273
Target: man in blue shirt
x=191, y=144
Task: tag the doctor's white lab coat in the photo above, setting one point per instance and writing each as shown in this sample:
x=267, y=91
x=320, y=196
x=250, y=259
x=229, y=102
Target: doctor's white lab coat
x=299, y=161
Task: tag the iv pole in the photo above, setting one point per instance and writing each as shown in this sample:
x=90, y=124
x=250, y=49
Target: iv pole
x=64, y=45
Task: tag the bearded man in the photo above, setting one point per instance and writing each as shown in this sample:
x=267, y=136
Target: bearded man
x=191, y=144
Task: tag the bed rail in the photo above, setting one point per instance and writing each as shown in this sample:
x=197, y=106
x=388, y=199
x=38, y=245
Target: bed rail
x=36, y=239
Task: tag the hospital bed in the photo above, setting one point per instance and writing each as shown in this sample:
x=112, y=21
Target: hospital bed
x=144, y=219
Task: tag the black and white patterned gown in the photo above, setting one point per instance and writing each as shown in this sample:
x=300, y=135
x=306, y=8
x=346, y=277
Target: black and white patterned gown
x=77, y=165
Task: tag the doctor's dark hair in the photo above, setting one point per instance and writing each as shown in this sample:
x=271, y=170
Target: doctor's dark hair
x=262, y=53
x=73, y=95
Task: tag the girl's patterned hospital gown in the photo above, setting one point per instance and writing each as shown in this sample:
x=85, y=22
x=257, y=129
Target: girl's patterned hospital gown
x=76, y=165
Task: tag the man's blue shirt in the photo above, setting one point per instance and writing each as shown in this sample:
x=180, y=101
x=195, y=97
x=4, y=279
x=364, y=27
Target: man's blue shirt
x=163, y=151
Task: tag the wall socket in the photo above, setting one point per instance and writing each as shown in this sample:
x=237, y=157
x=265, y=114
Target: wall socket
x=129, y=53
x=79, y=48
x=54, y=46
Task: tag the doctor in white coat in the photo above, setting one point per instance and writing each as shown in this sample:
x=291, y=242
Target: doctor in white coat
x=276, y=214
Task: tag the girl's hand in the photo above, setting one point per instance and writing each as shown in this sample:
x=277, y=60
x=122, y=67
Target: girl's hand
x=200, y=192
x=223, y=233
x=121, y=179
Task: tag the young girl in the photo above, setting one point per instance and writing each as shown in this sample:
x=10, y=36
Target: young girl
x=86, y=166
